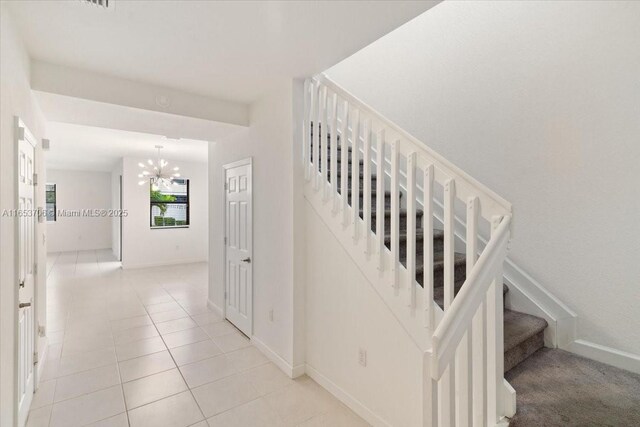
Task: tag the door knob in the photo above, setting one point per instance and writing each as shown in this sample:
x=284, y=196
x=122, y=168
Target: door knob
x=247, y=260
x=24, y=305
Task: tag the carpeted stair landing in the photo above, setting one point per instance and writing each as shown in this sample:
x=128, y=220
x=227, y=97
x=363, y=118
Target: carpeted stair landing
x=557, y=388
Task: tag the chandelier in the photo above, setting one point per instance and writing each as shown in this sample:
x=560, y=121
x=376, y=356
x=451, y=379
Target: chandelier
x=157, y=173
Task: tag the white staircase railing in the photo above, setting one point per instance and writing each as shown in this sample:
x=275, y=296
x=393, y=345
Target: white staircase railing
x=462, y=343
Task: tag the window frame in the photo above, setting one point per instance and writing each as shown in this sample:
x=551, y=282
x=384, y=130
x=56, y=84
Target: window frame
x=55, y=202
x=187, y=203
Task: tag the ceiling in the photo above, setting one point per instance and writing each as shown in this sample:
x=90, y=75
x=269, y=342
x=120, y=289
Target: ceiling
x=228, y=50
x=79, y=147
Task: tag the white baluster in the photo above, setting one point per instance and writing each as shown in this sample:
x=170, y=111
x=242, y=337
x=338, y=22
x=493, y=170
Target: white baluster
x=395, y=214
x=464, y=368
x=380, y=199
x=479, y=367
x=447, y=398
x=430, y=394
x=334, y=154
x=306, y=130
x=478, y=349
x=325, y=149
x=344, y=164
x=366, y=187
x=449, y=254
x=427, y=225
x=495, y=343
x=316, y=137
x=411, y=228
x=448, y=379
x=355, y=172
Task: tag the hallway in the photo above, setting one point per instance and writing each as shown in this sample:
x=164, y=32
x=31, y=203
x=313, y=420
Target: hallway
x=141, y=348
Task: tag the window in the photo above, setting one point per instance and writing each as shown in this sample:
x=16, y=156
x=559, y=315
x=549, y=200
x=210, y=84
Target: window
x=170, y=206
x=50, y=210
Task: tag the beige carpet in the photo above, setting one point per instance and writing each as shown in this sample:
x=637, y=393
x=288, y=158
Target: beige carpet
x=557, y=388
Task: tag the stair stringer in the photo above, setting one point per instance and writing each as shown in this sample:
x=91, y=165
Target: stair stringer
x=397, y=299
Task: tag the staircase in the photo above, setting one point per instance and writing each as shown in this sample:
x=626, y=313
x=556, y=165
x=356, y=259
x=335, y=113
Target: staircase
x=394, y=205
x=523, y=333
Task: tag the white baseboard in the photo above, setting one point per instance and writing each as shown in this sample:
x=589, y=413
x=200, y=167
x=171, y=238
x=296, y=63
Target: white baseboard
x=610, y=356
x=130, y=266
x=42, y=359
x=354, y=404
x=215, y=308
x=290, y=371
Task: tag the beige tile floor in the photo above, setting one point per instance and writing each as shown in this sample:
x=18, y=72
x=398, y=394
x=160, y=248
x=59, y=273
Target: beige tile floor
x=141, y=348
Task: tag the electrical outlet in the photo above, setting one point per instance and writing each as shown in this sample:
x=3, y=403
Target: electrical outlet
x=271, y=315
x=362, y=357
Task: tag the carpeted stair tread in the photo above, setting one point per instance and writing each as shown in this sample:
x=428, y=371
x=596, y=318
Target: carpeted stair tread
x=437, y=235
x=387, y=212
x=523, y=336
x=438, y=261
x=438, y=293
x=520, y=326
x=374, y=193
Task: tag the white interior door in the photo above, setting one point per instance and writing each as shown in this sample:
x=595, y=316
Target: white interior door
x=26, y=272
x=238, y=238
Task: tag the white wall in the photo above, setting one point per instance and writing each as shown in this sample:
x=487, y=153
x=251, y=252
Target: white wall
x=16, y=100
x=116, y=173
x=75, y=191
x=345, y=314
x=269, y=141
x=540, y=102
x=145, y=247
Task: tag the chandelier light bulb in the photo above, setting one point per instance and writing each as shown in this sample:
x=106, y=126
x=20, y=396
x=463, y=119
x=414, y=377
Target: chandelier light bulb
x=176, y=168
x=158, y=176
x=141, y=182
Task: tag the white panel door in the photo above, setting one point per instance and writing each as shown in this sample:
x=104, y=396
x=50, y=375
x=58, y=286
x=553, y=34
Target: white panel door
x=238, y=233
x=26, y=274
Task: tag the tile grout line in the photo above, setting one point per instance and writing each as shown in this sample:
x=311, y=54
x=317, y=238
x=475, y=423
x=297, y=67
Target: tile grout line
x=175, y=363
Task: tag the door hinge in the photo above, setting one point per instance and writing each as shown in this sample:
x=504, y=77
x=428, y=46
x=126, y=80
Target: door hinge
x=226, y=185
x=225, y=294
x=35, y=357
x=35, y=179
x=35, y=268
x=225, y=240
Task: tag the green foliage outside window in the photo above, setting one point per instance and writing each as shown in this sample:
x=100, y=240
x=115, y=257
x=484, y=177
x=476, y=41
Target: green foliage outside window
x=161, y=200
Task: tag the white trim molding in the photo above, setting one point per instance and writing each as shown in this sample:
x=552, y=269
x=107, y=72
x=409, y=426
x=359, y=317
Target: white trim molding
x=133, y=266
x=42, y=361
x=351, y=402
x=610, y=356
x=216, y=309
x=286, y=367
